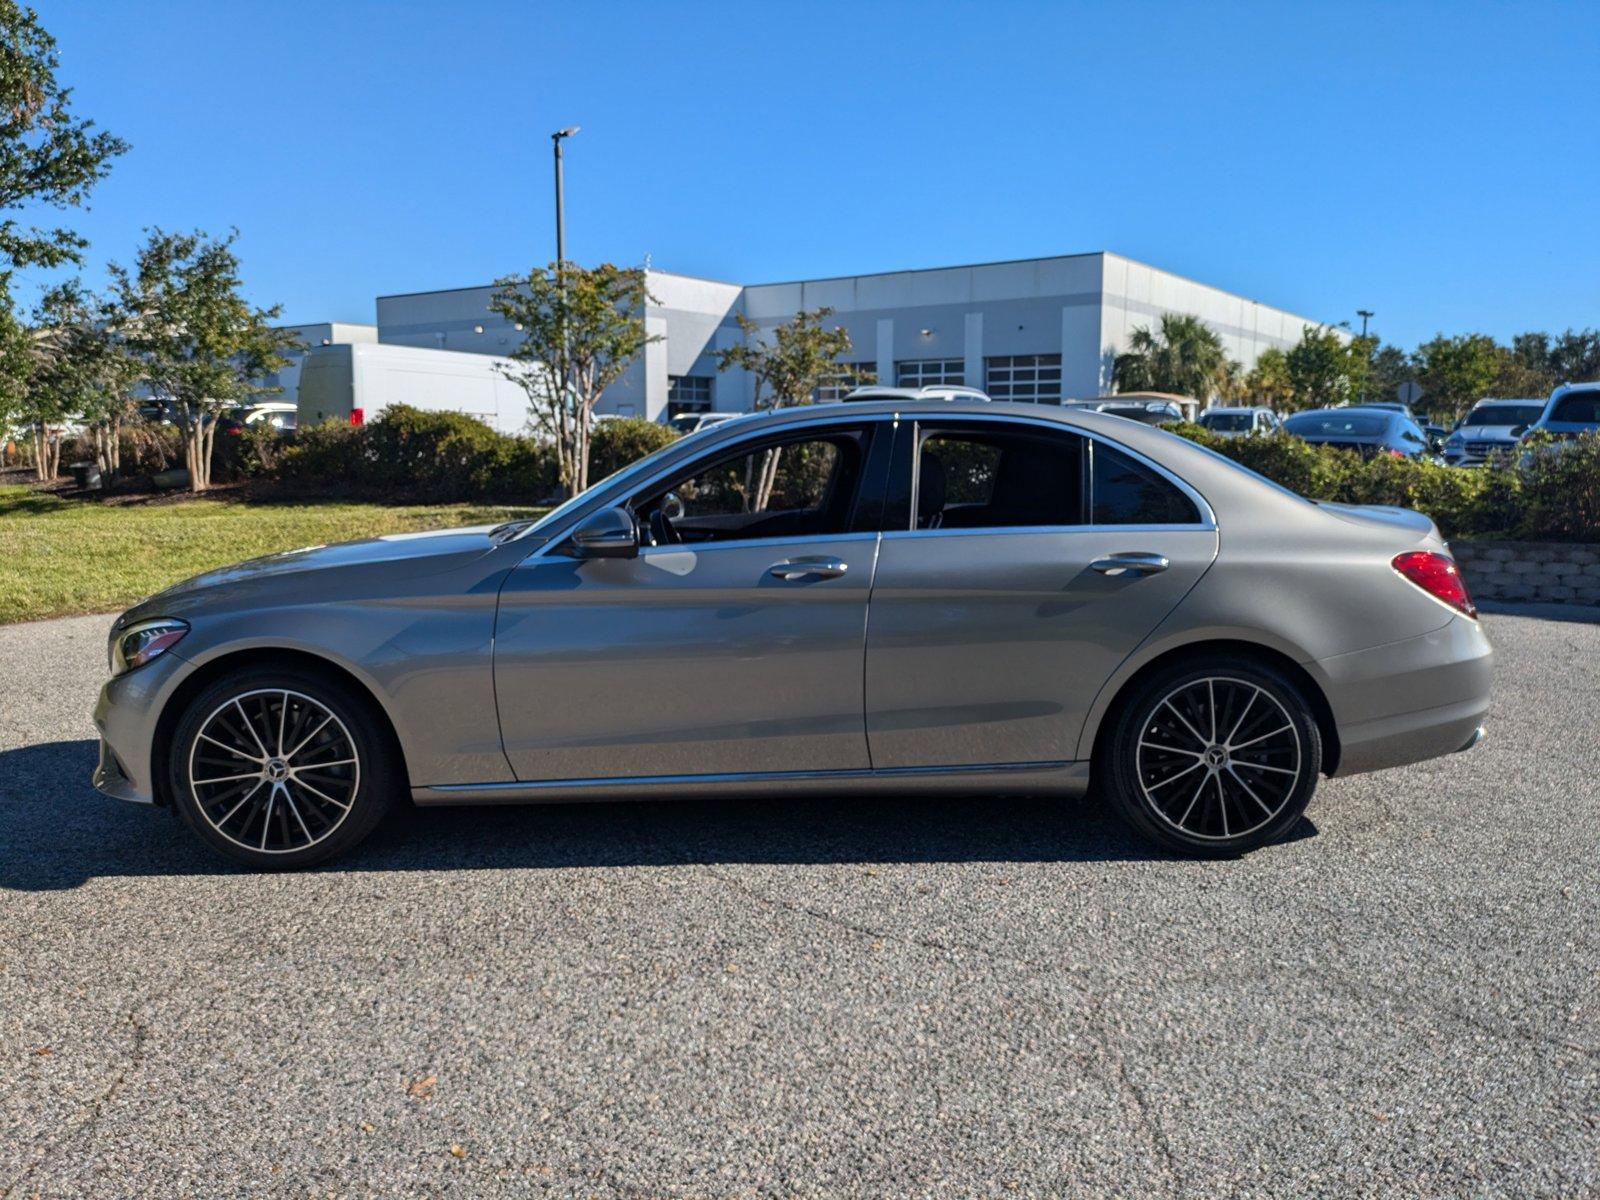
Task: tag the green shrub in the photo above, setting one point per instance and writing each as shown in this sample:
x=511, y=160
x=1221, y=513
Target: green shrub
x=1561, y=490
x=434, y=457
x=1476, y=502
x=615, y=444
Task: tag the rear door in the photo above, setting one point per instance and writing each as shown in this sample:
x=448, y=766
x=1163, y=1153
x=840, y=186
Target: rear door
x=1021, y=563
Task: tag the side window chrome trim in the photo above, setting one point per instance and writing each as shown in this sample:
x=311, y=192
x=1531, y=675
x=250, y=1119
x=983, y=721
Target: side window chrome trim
x=733, y=544
x=1004, y=530
x=1208, y=517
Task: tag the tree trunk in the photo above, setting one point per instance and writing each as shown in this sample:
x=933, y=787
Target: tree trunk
x=769, y=477
x=194, y=455
x=114, y=450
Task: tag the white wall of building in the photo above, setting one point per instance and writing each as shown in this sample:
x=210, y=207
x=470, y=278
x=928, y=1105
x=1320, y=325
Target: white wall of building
x=1082, y=307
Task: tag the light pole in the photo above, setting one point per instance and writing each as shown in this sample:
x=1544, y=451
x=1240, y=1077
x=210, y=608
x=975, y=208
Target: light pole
x=1364, y=313
x=556, y=139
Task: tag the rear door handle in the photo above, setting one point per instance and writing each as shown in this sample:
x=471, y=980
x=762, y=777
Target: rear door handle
x=1131, y=563
x=808, y=568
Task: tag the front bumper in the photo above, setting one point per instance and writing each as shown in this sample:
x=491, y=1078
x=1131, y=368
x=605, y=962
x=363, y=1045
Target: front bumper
x=126, y=714
x=1410, y=701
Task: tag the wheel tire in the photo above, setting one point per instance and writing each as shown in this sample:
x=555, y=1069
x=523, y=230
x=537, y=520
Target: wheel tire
x=285, y=806
x=1253, y=775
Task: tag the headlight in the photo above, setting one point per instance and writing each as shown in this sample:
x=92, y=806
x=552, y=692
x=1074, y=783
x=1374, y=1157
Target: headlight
x=138, y=644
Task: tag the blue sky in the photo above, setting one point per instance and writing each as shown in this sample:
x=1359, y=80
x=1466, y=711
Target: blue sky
x=1435, y=163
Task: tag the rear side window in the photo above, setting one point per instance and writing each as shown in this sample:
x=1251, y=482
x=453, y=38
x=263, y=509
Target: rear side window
x=1578, y=408
x=1126, y=492
x=999, y=478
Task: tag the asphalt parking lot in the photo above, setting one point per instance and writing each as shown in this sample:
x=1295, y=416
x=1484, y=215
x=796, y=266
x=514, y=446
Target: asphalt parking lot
x=951, y=998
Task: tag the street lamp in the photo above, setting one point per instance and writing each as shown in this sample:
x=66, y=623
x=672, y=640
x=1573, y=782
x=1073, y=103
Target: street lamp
x=1365, y=314
x=556, y=139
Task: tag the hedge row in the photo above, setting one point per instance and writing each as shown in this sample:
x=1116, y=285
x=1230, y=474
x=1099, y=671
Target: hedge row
x=440, y=457
x=1548, y=494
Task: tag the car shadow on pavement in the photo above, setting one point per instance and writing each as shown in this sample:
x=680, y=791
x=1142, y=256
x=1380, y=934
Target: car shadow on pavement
x=57, y=832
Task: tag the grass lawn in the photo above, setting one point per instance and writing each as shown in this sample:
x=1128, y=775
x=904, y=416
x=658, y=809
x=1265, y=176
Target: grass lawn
x=60, y=557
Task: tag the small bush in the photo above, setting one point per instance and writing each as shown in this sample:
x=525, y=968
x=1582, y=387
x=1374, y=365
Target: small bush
x=1561, y=490
x=435, y=457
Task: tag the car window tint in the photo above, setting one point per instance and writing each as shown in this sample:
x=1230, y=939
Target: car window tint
x=1126, y=492
x=995, y=478
x=1579, y=408
x=791, y=488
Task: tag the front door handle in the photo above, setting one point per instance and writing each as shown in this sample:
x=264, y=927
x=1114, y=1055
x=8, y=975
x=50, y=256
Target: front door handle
x=1132, y=563
x=808, y=568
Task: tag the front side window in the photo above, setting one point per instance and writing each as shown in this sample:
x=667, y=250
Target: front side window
x=798, y=487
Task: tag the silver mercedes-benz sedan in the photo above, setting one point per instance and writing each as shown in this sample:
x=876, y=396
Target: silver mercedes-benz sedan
x=865, y=598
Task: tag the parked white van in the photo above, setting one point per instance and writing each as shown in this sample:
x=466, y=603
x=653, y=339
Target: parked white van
x=354, y=382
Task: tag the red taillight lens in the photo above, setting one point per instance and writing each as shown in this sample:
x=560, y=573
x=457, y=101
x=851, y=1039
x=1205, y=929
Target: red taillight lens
x=1393, y=453
x=358, y=416
x=1437, y=575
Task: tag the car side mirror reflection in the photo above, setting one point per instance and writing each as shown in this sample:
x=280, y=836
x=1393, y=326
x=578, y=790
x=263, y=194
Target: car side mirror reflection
x=609, y=533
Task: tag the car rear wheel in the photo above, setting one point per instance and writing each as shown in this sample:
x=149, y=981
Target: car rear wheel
x=1214, y=758
x=280, y=768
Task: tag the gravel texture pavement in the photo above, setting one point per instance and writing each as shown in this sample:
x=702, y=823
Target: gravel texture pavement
x=889, y=998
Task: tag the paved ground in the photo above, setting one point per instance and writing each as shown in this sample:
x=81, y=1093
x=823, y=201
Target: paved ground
x=957, y=998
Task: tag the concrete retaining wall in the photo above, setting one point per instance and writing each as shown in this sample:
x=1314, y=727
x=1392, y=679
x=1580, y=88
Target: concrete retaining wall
x=1550, y=572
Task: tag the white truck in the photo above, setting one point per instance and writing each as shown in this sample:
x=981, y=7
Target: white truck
x=353, y=383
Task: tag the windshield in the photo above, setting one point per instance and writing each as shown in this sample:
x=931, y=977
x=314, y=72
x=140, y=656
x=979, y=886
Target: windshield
x=1336, y=425
x=1228, y=422
x=1505, y=414
x=1578, y=408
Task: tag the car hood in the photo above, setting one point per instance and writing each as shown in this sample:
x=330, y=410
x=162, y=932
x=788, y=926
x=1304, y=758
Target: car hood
x=292, y=571
x=1489, y=433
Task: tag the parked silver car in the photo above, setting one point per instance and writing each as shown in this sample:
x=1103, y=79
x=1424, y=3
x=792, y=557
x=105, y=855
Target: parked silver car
x=1232, y=422
x=946, y=596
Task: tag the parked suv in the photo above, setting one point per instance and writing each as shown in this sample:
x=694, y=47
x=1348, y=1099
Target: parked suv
x=1492, y=427
x=1573, y=408
x=931, y=391
x=1240, y=422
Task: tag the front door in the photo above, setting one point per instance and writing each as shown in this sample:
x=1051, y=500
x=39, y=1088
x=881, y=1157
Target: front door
x=1030, y=562
x=733, y=643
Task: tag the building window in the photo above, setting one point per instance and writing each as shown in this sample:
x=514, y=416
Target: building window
x=920, y=372
x=688, y=394
x=849, y=377
x=1035, y=378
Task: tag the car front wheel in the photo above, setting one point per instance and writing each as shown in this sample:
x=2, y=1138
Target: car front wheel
x=1214, y=758
x=281, y=768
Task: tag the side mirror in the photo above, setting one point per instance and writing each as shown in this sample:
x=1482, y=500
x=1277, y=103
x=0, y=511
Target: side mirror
x=609, y=533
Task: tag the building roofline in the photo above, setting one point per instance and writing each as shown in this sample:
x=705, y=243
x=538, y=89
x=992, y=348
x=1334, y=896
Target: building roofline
x=1000, y=262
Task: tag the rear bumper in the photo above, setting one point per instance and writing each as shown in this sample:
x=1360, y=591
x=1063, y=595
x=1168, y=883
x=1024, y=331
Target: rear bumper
x=1410, y=701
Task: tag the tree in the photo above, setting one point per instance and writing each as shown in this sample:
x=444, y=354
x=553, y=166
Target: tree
x=198, y=341
x=581, y=328
x=801, y=357
x=87, y=367
x=17, y=360
x=1268, y=381
x=1456, y=372
x=1184, y=357
x=1325, y=369
x=1390, y=367
x=48, y=156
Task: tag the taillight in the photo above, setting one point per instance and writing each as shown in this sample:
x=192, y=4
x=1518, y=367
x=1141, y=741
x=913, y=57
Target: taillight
x=1438, y=575
x=1393, y=453
x=358, y=416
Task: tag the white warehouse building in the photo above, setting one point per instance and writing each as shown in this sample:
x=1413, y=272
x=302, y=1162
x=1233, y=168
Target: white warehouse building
x=1042, y=330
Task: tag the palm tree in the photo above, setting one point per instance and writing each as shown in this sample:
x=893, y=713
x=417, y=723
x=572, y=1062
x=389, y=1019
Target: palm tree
x=1184, y=357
